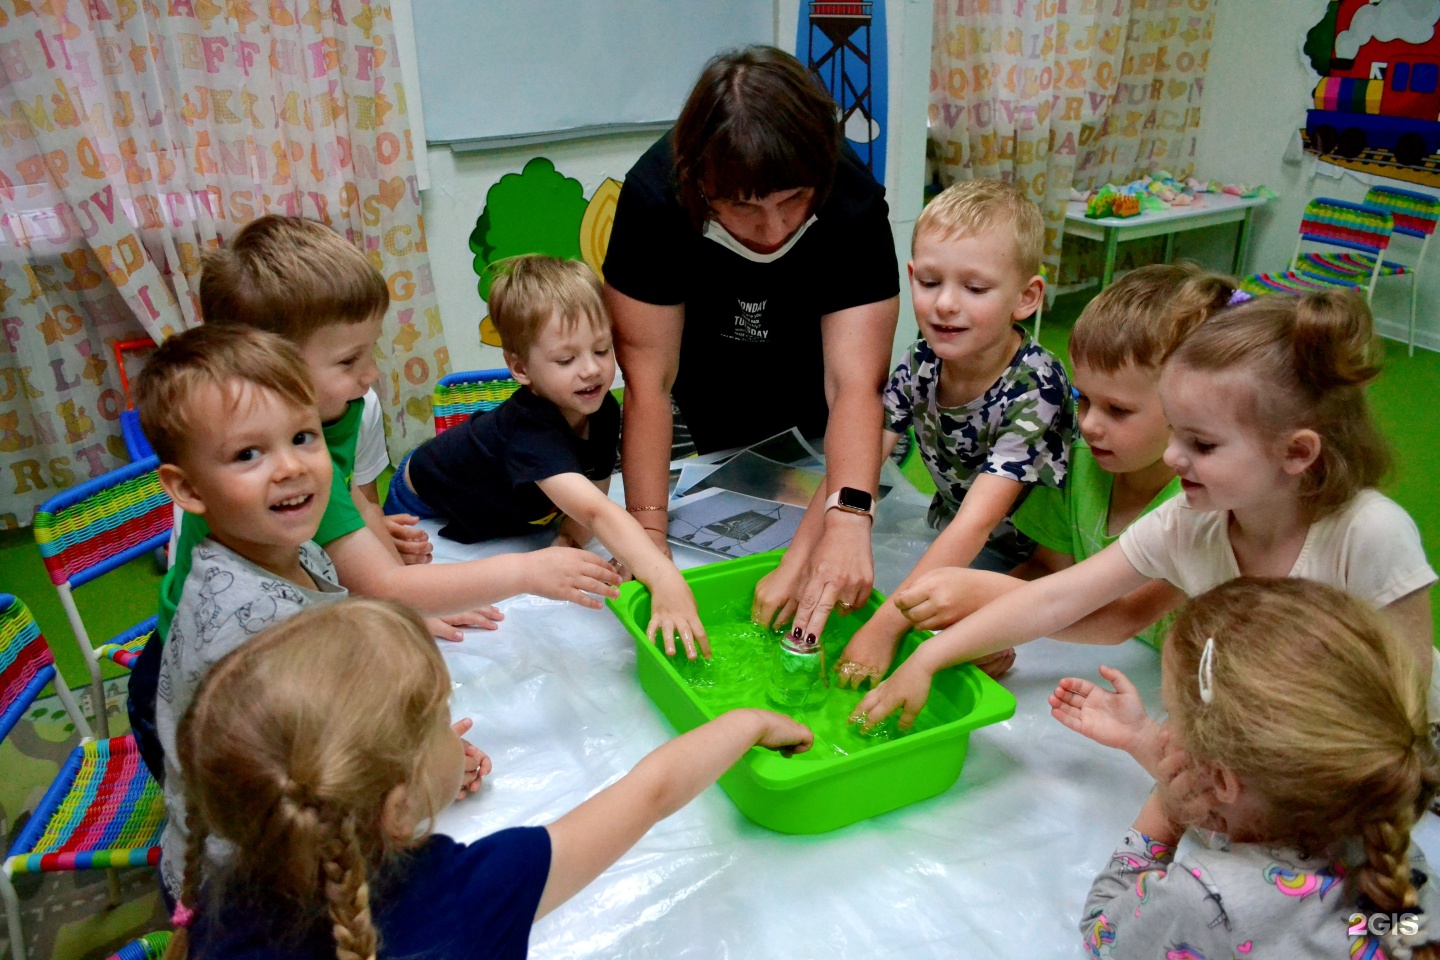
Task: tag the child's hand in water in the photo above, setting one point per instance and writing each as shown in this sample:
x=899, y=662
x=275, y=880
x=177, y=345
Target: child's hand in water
x=905, y=690
x=1114, y=719
x=477, y=761
x=672, y=611
x=867, y=656
x=784, y=735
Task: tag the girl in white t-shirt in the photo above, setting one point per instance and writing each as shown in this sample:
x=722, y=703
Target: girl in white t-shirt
x=1278, y=456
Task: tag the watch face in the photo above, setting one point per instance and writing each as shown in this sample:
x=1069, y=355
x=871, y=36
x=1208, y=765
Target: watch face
x=857, y=500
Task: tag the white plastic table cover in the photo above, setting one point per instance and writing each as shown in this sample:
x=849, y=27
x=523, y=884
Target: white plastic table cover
x=996, y=866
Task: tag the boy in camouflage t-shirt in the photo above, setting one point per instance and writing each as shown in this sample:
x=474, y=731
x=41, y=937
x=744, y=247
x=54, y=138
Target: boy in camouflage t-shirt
x=991, y=409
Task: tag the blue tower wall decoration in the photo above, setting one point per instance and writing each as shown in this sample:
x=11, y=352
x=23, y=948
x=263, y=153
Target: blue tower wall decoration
x=844, y=45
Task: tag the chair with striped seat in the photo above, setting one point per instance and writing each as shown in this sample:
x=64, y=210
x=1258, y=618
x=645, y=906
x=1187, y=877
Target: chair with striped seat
x=90, y=530
x=458, y=395
x=152, y=946
x=103, y=812
x=1334, y=223
x=1415, y=216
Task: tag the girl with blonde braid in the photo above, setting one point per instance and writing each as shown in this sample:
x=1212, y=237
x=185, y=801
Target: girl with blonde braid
x=1294, y=764
x=322, y=751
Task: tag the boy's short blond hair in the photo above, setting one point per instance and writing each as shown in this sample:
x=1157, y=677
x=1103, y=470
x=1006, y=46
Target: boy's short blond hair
x=975, y=206
x=531, y=288
x=290, y=276
x=212, y=355
x=1141, y=317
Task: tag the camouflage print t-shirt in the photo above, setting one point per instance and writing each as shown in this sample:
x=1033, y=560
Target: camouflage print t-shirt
x=1019, y=429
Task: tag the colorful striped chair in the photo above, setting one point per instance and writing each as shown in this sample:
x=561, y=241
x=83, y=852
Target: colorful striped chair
x=458, y=395
x=1334, y=223
x=149, y=947
x=1415, y=215
x=90, y=530
x=103, y=812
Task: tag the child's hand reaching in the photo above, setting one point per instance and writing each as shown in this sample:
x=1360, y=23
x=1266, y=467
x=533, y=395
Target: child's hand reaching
x=412, y=543
x=572, y=533
x=867, y=656
x=784, y=735
x=565, y=573
x=939, y=598
x=477, y=762
x=1114, y=719
x=672, y=611
x=449, y=627
x=905, y=690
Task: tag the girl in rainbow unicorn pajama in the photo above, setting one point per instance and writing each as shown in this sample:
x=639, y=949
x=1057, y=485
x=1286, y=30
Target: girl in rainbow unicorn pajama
x=1294, y=763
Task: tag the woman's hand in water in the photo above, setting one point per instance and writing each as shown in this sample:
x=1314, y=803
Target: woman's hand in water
x=1110, y=718
x=839, y=574
x=774, y=603
x=905, y=690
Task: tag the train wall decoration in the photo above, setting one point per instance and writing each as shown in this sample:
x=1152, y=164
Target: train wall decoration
x=1376, y=107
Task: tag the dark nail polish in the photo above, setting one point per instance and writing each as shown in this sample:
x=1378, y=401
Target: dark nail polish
x=809, y=638
x=795, y=633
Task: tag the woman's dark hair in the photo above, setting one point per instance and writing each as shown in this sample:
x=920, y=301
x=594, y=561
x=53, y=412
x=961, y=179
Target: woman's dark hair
x=757, y=121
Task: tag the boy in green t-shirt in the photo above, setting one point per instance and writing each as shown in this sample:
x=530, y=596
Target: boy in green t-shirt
x=1117, y=473
x=305, y=282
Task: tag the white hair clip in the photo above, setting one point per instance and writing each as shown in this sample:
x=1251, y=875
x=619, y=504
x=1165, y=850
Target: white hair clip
x=1207, y=671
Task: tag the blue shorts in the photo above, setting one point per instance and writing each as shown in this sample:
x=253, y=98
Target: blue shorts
x=402, y=499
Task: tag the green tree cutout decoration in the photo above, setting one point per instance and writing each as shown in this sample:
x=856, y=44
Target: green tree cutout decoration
x=537, y=210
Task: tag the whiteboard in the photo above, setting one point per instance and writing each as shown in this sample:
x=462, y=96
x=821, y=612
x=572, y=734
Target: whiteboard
x=499, y=72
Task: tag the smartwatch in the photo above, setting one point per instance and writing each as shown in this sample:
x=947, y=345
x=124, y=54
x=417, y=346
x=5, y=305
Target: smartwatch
x=852, y=500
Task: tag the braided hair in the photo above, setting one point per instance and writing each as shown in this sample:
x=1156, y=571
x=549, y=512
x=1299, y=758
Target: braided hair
x=290, y=751
x=1319, y=708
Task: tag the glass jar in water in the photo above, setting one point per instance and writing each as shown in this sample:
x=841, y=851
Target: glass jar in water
x=797, y=675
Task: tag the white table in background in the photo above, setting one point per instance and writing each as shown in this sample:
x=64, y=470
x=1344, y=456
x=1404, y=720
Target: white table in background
x=1209, y=210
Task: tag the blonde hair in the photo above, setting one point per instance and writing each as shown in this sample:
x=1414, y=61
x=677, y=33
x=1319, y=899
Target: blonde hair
x=1319, y=708
x=290, y=749
x=531, y=288
x=1307, y=361
x=1140, y=318
x=222, y=357
x=974, y=206
x=290, y=276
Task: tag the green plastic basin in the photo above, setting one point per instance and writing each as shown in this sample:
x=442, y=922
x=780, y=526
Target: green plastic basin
x=833, y=785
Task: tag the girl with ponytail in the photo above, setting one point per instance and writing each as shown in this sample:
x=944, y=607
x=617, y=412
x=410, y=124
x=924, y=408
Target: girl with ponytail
x=1297, y=747
x=321, y=752
x=1278, y=458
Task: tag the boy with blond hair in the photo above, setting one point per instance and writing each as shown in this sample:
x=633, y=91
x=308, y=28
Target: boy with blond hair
x=990, y=407
x=1117, y=473
x=544, y=457
x=305, y=282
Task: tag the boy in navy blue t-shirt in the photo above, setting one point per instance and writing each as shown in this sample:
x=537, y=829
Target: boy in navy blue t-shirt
x=544, y=457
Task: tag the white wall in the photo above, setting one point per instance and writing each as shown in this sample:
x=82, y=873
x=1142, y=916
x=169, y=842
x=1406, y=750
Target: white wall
x=1256, y=91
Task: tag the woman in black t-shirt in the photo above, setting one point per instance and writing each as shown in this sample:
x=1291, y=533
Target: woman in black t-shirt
x=752, y=273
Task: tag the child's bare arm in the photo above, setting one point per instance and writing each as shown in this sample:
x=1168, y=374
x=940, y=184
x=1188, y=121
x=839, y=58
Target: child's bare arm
x=1036, y=609
x=1123, y=618
x=985, y=505
x=673, y=605
x=588, y=839
x=560, y=573
x=406, y=543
